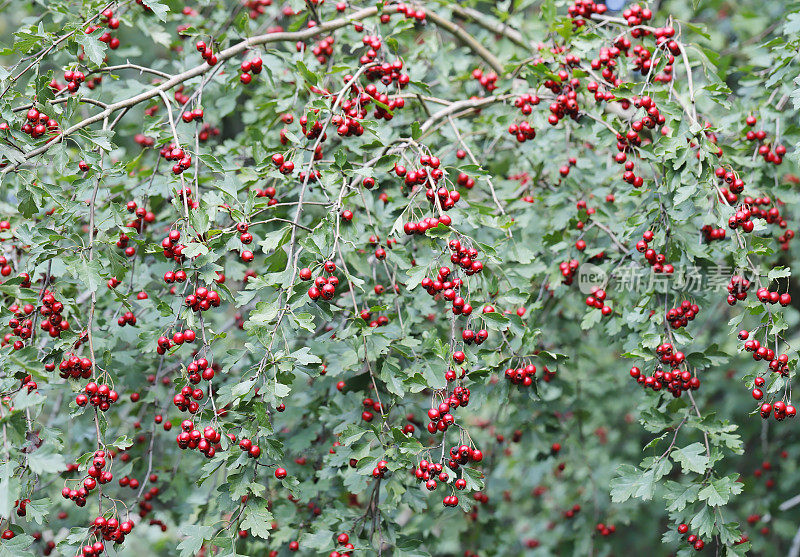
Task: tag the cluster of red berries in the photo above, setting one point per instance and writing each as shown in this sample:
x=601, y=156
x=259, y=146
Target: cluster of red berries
x=37, y=124
x=656, y=260
x=374, y=43
x=269, y=192
x=201, y=369
x=487, y=80
x=111, y=530
x=409, y=12
x=21, y=506
x=185, y=196
x=207, y=52
x=522, y=375
x=192, y=115
x=381, y=321
x=680, y=316
x=428, y=472
x=122, y=243
x=525, y=103
x=676, y=381
x=636, y=15
x=112, y=23
x=173, y=152
x=692, y=539
x=460, y=455
x=465, y=257
x=737, y=289
x=72, y=366
x=412, y=228
x=776, y=156
x=564, y=171
x=478, y=337
x=144, y=141
x=450, y=501
x=207, y=131
x=440, y=416
x=19, y=325
x=765, y=296
x=779, y=409
x=250, y=68
x=605, y=530
x=522, y=131
x=731, y=178
x=322, y=50
x=389, y=73
x=143, y=216
x=127, y=318
x=172, y=248
x=53, y=322
x=57, y=86
x=420, y=176
x=203, y=299
x=465, y=180
x=381, y=470
x=256, y=7
x=449, y=287
x=5, y=267
x=772, y=214
x=343, y=540
x=632, y=137
x=741, y=219
x=127, y=481
x=78, y=496
x=597, y=300
x=370, y=406
x=581, y=10
x=28, y=383
x=777, y=364
x=165, y=343
x=711, y=234
x=356, y=108
x=668, y=355
x=100, y=396
x=568, y=269
x=606, y=61
x=324, y=287
x=175, y=276
x=566, y=101
x=74, y=78
x=191, y=438
x=187, y=399
x=283, y=166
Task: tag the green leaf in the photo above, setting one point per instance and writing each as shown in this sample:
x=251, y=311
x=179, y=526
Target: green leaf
x=95, y=50
x=320, y=540
x=678, y=496
x=779, y=272
x=257, y=518
x=633, y=482
x=159, y=9
x=16, y=546
x=719, y=492
x=9, y=489
x=45, y=461
x=193, y=538
x=692, y=458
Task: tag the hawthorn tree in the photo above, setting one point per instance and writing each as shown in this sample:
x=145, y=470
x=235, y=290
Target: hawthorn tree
x=440, y=278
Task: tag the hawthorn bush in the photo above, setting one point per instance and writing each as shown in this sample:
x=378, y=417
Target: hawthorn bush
x=441, y=278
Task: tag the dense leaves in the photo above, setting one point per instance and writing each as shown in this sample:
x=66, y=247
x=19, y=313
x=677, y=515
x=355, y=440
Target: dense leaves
x=454, y=278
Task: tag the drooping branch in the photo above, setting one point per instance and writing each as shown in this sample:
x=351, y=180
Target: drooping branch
x=243, y=46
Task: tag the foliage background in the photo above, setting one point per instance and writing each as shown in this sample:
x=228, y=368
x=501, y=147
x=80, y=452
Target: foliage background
x=743, y=61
